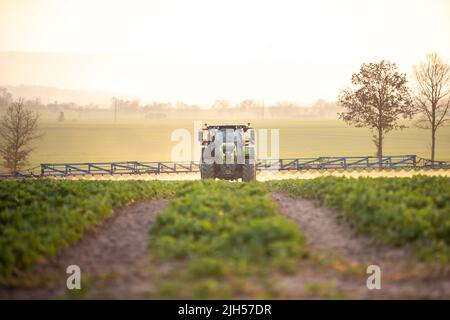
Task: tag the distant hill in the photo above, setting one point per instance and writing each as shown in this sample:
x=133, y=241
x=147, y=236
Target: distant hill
x=51, y=94
x=46, y=75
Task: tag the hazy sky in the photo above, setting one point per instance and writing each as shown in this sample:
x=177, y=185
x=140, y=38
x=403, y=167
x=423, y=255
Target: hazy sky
x=198, y=51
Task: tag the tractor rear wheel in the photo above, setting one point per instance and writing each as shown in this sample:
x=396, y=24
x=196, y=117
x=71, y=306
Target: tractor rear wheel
x=248, y=172
x=207, y=171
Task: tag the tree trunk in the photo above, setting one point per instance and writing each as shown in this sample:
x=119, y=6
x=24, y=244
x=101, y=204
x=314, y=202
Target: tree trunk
x=14, y=161
x=433, y=143
x=14, y=167
x=433, y=131
x=380, y=147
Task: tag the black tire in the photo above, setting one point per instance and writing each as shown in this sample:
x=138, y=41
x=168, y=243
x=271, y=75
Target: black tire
x=207, y=171
x=248, y=172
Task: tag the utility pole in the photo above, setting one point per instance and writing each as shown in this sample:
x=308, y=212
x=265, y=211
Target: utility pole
x=115, y=109
x=263, y=110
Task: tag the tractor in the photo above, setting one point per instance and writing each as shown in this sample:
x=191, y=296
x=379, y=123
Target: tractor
x=228, y=152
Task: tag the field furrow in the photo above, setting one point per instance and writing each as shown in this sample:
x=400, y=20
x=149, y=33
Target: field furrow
x=217, y=239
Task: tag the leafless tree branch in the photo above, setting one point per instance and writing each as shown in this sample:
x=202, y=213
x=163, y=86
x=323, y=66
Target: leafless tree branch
x=433, y=87
x=18, y=129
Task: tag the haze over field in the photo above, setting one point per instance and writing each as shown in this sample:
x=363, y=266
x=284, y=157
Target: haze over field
x=276, y=64
x=200, y=51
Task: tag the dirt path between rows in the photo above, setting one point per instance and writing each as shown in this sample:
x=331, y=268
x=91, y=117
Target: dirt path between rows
x=114, y=260
x=329, y=235
x=325, y=229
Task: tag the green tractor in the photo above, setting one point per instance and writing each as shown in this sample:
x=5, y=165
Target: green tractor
x=228, y=152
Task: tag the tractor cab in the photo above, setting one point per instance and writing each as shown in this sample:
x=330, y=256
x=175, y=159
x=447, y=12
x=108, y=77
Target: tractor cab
x=228, y=152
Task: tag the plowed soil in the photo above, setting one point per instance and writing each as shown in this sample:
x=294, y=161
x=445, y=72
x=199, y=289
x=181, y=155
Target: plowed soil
x=115, y=261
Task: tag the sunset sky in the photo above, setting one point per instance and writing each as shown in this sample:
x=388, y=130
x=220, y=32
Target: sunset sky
x=199, y=51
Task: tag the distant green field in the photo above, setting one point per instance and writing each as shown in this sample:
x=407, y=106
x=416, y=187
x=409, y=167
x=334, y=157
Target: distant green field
x=93, y=136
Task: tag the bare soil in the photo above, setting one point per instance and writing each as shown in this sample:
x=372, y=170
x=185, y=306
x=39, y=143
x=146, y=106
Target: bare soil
x=114, y=260
x=348, y=255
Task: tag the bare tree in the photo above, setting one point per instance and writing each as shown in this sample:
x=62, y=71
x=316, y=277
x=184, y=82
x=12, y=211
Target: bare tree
x=432, y=98
x=18, y=129
x=5, y=97
x=221, y=105
x=380, y=96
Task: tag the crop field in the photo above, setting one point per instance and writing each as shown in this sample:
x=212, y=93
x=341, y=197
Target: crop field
x=219, y=239
x=39, y=218
x=222, y=231
x=396, y=211
x=94, y=137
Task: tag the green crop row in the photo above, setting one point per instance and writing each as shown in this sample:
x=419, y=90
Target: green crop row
x=38, y=218
x=220, y=227
x=396, y=211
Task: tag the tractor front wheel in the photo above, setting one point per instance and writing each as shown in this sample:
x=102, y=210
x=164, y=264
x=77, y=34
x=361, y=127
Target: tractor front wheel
x=248, y=172
x=207, y=171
